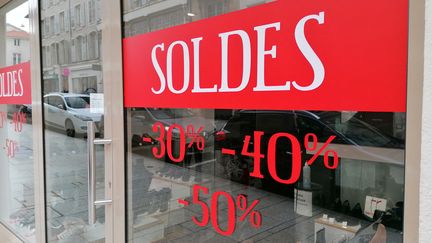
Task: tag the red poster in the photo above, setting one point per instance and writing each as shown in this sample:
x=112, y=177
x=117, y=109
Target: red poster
x=15, y=84
x=302, y=55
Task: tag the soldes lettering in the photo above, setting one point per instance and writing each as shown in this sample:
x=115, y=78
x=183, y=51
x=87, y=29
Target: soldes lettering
x=11, y=84
x=226, y=85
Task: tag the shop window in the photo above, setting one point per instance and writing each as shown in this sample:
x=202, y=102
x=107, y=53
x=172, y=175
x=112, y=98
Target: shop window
x=17, y=206
x=214, y=160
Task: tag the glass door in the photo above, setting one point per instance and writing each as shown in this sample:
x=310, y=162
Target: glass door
x=73, y=104
x=17, y=207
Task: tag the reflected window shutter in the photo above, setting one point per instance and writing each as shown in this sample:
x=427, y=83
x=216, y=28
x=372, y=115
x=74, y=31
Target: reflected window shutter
x=83, y=14
x=84, y=47
x=67, y=22
x=71, y=17
x=56, y=24
x=98, y=10
x=73, y=51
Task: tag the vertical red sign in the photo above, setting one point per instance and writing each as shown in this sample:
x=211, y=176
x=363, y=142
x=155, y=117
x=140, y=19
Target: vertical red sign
x=15, y=84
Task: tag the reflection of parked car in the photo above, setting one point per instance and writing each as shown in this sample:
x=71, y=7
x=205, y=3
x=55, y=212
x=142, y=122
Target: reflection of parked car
x=69, y=112
x=324, y=124
x=143, y=120
x=298, y=123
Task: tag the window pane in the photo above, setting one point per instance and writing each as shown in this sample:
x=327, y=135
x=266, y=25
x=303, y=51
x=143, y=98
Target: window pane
x=192, y=173
x=71, y=73
x=17, y=204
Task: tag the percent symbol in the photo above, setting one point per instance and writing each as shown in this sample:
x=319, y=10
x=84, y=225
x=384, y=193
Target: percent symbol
x=327, y=153
x=210, y=210
x=18, y=119
x=195, y=137
x=255, y=218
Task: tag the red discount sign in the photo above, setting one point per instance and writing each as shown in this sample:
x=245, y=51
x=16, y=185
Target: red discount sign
x=312, y=55
x=15, y=84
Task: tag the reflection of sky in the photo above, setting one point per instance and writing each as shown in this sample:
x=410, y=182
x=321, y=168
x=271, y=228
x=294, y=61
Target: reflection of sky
x=17, y=17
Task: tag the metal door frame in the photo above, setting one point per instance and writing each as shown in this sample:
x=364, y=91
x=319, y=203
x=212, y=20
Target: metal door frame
x=113, y=119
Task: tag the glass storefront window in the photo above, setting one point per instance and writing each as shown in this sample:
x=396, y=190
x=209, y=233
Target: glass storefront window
x=17, y=206
x=223, y=175
x=72, y=79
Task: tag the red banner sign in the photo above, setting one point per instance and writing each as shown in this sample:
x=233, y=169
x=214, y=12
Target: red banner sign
x=302, y=55
x=15, y=84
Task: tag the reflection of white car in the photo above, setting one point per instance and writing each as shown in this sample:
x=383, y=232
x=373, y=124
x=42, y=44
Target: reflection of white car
x=69, y=112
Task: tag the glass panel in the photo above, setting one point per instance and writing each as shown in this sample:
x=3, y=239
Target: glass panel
x=16, y=132
x=72, y=79
x=212, y=175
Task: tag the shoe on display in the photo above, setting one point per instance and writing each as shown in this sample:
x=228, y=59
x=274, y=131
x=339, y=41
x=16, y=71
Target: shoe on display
x=357, y=211
x=346, y=207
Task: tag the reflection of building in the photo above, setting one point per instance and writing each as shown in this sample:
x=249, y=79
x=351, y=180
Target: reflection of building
x=250, y=3
x=17, y=45
x=142, y=16
x=71, y=39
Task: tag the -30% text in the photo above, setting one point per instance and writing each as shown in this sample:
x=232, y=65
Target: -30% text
x=186, y=139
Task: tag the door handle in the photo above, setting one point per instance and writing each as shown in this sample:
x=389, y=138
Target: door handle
x=92, y=202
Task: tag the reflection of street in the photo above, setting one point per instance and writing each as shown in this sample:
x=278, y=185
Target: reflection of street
x=67, y=188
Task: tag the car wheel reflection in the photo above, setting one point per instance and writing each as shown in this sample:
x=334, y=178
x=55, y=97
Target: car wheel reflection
x=234, y=168
x=70, y=129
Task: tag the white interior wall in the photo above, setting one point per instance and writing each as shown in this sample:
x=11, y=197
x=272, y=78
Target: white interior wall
x=426, y=156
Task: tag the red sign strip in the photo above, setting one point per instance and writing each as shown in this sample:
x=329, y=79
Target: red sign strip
x=15, y=84
x=302, y=55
